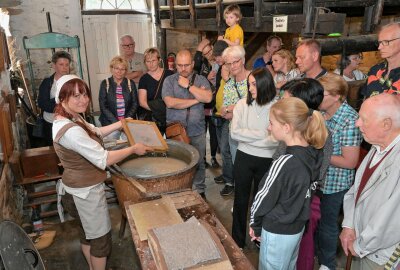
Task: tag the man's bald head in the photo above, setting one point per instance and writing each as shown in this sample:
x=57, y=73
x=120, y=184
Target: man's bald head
x=184, y=63
x=379, y=119
x=184, y=54
x=385, y=106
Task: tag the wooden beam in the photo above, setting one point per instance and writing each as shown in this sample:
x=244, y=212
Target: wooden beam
x=327, y=23
x=361, y=43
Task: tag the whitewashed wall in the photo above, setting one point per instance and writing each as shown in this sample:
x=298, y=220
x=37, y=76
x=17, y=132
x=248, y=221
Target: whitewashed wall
x=65, y=18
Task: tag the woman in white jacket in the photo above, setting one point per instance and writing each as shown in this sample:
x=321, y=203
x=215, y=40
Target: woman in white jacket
x=254, y=154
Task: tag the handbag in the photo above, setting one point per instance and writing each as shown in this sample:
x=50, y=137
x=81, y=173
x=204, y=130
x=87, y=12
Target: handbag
x=157, y=106
x=38, y=128
x=176, y=131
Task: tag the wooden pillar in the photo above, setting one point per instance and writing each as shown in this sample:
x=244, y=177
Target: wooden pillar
x=171, y=13
x=309, y=14
x=377, y=14
x=220, y=17
x=192, y=11
x=258, y=9
x=163, y=46
x=367, y=20
x=156, y=12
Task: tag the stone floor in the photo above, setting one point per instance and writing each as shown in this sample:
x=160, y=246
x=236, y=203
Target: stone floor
x=65, y=254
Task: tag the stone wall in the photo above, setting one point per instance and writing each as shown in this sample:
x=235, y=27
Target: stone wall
x=65, y=18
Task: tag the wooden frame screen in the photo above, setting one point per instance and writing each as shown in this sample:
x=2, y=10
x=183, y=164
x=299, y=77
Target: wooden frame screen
x=144, y=132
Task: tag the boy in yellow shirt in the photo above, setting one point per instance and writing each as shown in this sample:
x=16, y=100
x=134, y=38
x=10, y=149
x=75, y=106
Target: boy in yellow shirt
x=234, y=33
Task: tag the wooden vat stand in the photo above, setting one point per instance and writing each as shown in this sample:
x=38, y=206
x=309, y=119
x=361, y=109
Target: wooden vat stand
x=188, y=204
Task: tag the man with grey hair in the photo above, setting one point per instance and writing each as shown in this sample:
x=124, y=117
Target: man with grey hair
x=385, y=76
x=135, y=60
x=184, y=94
x=371, y=206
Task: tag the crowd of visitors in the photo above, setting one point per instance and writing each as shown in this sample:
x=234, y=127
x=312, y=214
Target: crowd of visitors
x=284, y=130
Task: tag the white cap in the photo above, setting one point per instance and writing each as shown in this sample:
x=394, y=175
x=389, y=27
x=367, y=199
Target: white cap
x=60, y=83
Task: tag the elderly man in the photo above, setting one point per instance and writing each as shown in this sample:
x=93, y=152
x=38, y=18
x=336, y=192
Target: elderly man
x=308, y=59
x=385, y=76
x=135, y=60
x=371, y=206
x=184, y=94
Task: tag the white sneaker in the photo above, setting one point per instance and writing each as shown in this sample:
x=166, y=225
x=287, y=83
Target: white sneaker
x=323, y=267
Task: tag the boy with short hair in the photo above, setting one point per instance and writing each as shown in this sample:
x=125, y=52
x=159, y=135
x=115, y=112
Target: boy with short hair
x=234, y=33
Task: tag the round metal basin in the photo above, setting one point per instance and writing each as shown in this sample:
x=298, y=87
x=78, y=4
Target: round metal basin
x=160, y=183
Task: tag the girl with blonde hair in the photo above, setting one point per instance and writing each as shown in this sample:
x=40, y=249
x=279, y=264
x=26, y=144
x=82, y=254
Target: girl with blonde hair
x=281, y=207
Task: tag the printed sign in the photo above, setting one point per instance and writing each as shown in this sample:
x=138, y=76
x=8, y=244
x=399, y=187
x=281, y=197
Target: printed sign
x=280, y=23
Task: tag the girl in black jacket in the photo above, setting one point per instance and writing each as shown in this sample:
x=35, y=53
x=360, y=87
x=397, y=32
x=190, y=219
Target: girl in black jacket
x=281, y=207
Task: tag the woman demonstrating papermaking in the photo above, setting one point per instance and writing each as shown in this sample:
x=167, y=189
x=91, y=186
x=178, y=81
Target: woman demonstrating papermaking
x=78, y=145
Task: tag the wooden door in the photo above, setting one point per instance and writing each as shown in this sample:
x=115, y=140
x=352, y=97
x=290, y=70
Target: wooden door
x=102, y=34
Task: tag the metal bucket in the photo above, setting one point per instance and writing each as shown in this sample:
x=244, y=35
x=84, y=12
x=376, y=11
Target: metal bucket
x=16, y=249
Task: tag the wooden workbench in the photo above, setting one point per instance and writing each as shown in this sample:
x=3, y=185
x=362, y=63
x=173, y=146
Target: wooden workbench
x=188, y=204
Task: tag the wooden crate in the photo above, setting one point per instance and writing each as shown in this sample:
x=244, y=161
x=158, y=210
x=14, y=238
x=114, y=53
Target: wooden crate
x=39, y=162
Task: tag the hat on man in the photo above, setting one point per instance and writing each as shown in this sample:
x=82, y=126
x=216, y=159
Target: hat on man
x=219, y=47
x=61, y=82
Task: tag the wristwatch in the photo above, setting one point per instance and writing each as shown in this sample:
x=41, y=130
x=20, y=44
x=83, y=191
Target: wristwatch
x=190, y=84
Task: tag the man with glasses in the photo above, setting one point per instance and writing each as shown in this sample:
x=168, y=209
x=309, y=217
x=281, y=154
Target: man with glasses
x=135, y=60
x=385, y=76
x=184, y=94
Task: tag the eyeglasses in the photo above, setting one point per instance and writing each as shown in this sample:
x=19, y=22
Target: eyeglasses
x=358, y=57
x=234, y=63
x=183, y=65
x=128, y=45
x=205, y=53
x=385, y=42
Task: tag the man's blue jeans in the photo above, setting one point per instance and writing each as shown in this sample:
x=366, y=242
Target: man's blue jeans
x=328, y=229
x=223, y=141
x=199, y=179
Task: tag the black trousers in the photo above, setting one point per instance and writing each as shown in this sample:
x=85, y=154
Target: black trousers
x=48, y=133
x=247, y=170
x=213, y=136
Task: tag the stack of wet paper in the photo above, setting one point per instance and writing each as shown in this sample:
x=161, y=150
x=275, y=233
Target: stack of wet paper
x=191, y=244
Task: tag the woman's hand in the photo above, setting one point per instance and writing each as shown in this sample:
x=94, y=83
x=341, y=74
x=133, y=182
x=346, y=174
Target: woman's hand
x=211, y=75
x=252, y=235
x=141, y=149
